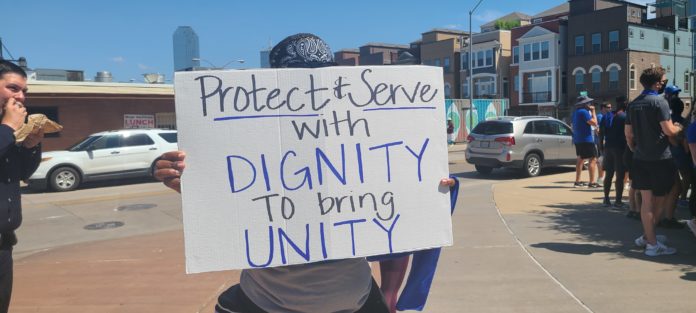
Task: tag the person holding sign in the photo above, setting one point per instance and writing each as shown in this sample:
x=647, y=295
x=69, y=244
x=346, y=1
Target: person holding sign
x=339, y=285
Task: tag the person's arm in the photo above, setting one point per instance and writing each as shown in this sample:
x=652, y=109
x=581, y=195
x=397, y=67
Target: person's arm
x=669, y=128
x=592, y=121
x=12, y=119
x=169, y=168
x=628, y=131
x=692, y=149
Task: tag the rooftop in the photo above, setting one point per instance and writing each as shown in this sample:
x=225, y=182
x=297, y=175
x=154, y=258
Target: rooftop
x=514, y=16
x=61, y=87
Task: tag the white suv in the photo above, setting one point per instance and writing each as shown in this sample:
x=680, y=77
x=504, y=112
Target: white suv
x=105, y=155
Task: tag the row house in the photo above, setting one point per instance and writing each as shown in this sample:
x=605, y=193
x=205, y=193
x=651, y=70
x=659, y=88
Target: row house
x=491, y=57
x=538, y=64
x=441, y=47
x=611, y=42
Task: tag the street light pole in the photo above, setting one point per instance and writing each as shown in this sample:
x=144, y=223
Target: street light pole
x=471, y=71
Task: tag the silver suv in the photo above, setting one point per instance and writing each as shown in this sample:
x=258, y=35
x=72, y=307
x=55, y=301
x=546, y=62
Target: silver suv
x=526, y=142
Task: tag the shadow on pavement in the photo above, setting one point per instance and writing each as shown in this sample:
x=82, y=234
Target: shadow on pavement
x=613, y=233
x=98, y=184
x=510, y=173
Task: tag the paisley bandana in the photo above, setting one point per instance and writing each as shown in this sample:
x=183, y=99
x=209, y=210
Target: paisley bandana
x=301, y=50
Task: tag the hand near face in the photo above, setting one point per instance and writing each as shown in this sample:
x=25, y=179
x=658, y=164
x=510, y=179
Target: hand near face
x=169, y=168
x=13, y=114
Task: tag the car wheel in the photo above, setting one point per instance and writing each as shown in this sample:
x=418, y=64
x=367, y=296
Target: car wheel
x=532, y=165
x=483, y=169
x=64, y=179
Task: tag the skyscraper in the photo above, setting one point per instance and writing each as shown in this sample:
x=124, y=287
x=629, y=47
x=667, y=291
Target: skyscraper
x=265, y=62
x=186, y=54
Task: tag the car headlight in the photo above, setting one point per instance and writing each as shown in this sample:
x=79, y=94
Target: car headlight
x=46, y=159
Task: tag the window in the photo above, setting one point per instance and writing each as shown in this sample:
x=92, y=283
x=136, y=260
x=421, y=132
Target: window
x=489, y=57
x=614, y=40
x=465, y=88
x=596, y=43
x=527, y=52
x=678, y=40
x=579, y=45
x=448, y=91
x=137, y=140
x=169, y=137
x=437, y=62
x=535, y=51
x=614, y=78
x=687, y=82
x=446, y=65
x=579, y=81
x=516, y=83
x=630, y=32
x=543, y=128
x=665, y=43
x=596, y=79
x=479, y=59
x=545, y=50
x=515, y=55
x=642, y=34
x=107, y=142
x=632, y=77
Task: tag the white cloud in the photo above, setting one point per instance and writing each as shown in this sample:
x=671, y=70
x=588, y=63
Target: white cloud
x=118, y=59
x=143, y=66
x=487, y=16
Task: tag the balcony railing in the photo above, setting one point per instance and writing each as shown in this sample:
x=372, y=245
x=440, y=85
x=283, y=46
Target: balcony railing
x=535, y=97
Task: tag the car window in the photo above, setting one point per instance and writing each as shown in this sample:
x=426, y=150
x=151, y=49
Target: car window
x=107, y=142
x=83, y=144
x=562, y=129
x=543, y=128
x=493, y=128
x=169, y=137
x=137, y=140
x=529, y=129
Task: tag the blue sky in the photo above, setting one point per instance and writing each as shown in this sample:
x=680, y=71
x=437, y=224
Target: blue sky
x=129, y=38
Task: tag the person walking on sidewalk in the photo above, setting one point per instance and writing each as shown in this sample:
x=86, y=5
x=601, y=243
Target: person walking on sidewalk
x=613, y=142
x=584, y=119
x=17, y=162
x=648, y=126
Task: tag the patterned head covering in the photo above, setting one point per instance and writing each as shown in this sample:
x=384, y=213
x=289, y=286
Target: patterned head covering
x=301, y=50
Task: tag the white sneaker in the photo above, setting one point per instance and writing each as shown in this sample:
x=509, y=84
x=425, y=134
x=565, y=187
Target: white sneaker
x=692, y=226
x=659, y=249
x=641, y=242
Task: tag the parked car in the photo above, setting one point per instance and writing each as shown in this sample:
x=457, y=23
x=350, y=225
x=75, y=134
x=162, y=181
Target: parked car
x=105, y=155
x=525, y=142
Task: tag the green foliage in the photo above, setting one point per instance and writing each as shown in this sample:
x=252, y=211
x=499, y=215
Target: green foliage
x=506, y=25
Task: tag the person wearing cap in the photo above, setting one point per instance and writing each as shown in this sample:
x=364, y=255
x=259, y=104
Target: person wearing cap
x=331, y=286
x=17, y=162
x=584, y=119
x=648, y=126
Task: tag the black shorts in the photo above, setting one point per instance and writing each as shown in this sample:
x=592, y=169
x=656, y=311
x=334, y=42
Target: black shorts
x=656, y=176
x=628, y=159
x=586, y=150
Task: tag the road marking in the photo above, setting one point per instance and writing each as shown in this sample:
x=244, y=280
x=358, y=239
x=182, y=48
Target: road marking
x=529, y=254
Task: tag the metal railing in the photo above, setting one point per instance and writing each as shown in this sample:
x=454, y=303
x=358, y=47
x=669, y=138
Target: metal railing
x=535, y=97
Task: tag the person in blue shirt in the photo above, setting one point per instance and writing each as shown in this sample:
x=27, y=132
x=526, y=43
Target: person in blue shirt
x=584, y=119
x=613, y=143
x=691, y=139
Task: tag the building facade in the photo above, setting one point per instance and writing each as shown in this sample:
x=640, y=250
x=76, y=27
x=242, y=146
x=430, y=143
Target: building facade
x=84, y=108
x=186, y=53
x=442, y=47
x=490, y=63
x=611, y=42
x=538, y=69
x=347, y=57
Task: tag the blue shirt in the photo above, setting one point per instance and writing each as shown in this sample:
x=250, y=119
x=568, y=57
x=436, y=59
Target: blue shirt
x=582, y=132
x=691, y=133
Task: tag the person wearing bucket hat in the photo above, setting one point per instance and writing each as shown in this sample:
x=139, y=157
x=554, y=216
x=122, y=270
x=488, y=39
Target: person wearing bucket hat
x=584, y=118
x=340, y=286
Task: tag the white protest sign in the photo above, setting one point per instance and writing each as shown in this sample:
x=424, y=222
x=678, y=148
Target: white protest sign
x=294, y=166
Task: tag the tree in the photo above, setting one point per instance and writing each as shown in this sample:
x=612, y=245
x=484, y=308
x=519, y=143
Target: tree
x=506, y=25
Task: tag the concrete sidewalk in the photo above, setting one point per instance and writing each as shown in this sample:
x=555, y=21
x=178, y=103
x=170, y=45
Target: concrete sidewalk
x=535, y=245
